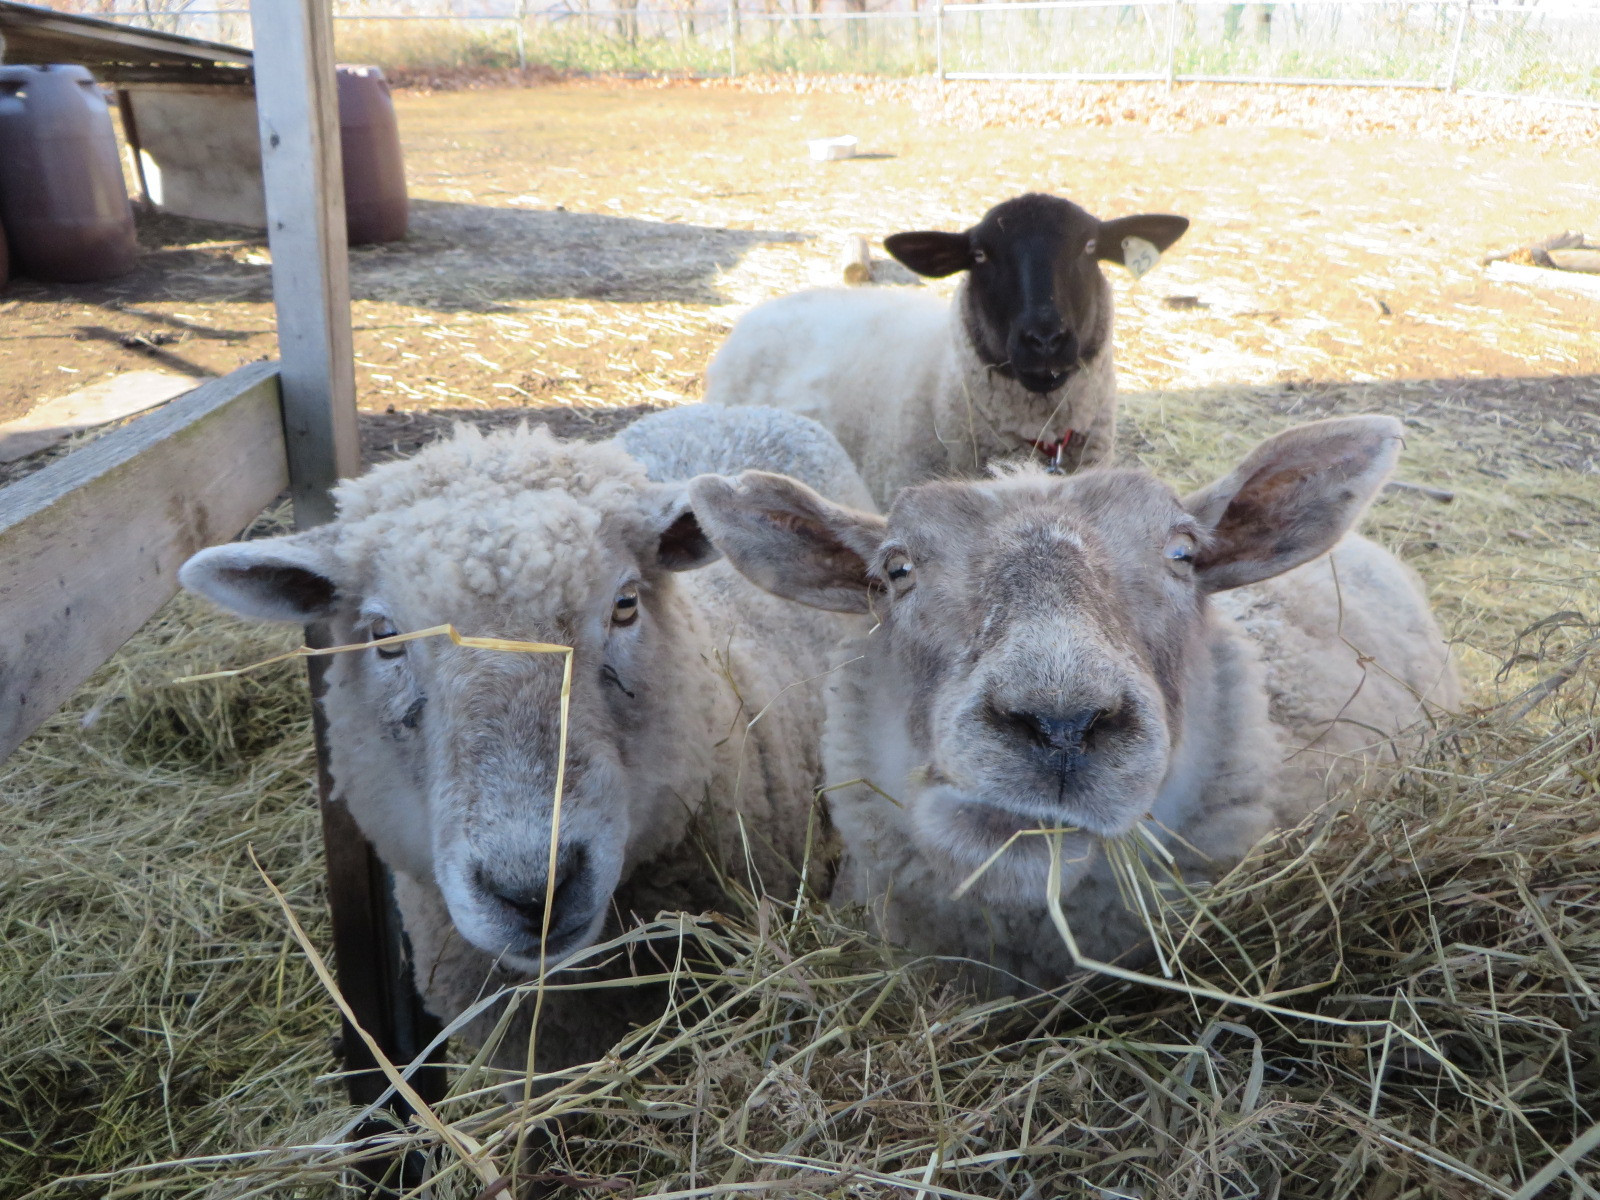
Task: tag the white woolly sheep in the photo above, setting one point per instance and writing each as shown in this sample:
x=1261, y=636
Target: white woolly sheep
x=915, y=387
x=1054, y=652
x=447, y=756
x=702, y=439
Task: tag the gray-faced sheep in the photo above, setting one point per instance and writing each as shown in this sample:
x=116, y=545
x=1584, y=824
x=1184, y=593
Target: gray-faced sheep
x=447, y=756
x=915, y=387
x=1070, y=652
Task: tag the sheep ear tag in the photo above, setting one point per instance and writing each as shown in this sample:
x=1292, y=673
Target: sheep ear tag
x=1139, y=256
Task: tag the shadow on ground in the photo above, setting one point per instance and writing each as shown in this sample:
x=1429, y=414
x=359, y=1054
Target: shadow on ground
x=456, y=257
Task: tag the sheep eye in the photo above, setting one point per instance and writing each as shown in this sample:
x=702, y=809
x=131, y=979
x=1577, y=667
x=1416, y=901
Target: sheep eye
x=978, y=256
x=1091, y=246
x=1180, y=550
x=383, y=628
x=897, y=568
x=625, y=609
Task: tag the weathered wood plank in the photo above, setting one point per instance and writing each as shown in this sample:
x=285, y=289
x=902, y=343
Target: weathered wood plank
x=297, y=104
x=90, y=546
x=1546, y=277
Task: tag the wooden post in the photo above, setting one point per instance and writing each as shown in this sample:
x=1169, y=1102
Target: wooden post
x=297, y=99
x=1172, y=42
x=1455, y=48
x=130, y=135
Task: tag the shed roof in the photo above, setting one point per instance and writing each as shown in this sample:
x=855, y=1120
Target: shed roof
x=113, y=51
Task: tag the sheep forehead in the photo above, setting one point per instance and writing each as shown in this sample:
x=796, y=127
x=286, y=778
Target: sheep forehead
x=473, y=468
x=503, y=563
x=1027, y=530
x=1037, y=214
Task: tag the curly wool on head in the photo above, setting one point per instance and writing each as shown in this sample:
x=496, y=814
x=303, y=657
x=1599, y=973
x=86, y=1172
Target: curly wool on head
x=475, y=468
x=491, y=519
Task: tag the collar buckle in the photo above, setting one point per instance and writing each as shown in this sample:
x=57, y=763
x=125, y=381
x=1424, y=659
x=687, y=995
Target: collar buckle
x=1052, y=451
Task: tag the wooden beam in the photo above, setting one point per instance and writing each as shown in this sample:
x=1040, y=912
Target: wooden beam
x=297, y=103
x=90, y=546
x=34, y=34
x=298, y=106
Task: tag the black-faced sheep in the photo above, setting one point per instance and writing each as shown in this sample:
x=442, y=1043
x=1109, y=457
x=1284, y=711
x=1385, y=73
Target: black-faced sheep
x=1070, y=653
x=916, y=387
x=447, y=756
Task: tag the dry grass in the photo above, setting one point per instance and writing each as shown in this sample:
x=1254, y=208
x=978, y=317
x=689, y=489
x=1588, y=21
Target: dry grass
x=152, y=1004
x=1418, y=983
x=1415, y=988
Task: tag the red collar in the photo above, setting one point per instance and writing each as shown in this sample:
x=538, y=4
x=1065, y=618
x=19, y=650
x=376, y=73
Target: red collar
x=1052, y=451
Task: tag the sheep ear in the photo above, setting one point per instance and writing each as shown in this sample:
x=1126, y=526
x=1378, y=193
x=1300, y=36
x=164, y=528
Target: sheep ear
x=1292, y=498
x=930, y=253
x=785, y=538
x=274, y=579
x=1159, y=229
x=681, y=545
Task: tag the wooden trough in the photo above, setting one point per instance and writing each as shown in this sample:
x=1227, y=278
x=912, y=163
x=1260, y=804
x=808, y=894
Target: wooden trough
x=90, y=545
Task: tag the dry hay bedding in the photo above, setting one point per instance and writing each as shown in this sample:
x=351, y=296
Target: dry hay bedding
x=1430, y=956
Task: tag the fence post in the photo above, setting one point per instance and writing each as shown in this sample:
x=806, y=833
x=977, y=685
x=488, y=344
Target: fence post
x=522, y=35
x=298, y=112
x=733, y=38
x=1455, y=48
x=938, y=38
x=1172, y=42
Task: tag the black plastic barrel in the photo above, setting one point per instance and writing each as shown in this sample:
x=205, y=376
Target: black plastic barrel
x=374, y=172
x=63, y=201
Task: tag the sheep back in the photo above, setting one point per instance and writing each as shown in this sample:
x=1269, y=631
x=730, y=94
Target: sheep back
x=698, y=439
x=895, y=377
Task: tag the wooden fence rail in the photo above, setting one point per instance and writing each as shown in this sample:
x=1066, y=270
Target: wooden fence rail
x=90, y=546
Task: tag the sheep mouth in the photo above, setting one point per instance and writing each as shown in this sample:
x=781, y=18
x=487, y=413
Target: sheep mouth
x=570, y=935
x=998, y=853
x=1042, y=382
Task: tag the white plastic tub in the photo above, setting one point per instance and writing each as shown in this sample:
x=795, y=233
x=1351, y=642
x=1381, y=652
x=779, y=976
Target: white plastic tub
x=829, y=149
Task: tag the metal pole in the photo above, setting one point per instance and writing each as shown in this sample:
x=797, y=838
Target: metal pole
x=297, y=103
x=1172, y=42
x=938, y=38
x=522, y=35
x=1455, y=48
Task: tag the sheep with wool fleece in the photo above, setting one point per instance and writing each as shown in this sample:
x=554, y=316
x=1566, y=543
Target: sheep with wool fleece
x=707, y=439
x=916, y=387
x=1071, y=655
x=447, y=756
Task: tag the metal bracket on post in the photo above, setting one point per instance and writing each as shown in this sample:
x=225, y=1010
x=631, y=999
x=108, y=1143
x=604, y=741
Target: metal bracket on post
x=298, y=107
x=1455, y=48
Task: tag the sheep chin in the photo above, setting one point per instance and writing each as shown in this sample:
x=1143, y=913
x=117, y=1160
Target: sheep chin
x=965, y=833
x=558, y=955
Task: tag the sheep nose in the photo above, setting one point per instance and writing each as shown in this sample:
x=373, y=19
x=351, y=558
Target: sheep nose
x=524, y=899
x=1048, y=339
x=1064, y=736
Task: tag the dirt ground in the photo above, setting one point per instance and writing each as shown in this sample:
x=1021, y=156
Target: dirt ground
x=586, y=243
x=582, y=246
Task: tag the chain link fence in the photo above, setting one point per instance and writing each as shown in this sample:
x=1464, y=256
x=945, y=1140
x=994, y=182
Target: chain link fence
x=1549, y=50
